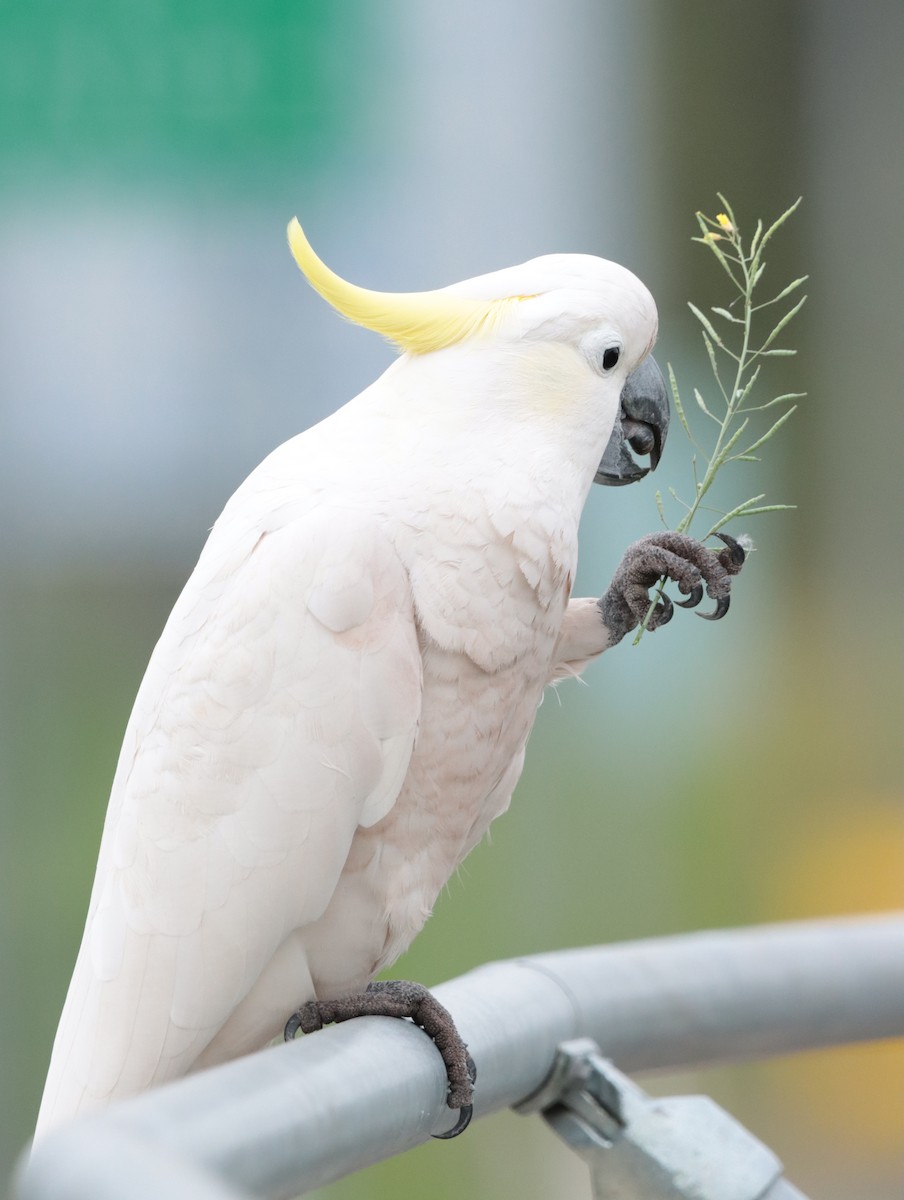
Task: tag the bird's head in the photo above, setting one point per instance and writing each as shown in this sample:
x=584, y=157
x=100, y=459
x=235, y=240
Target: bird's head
x=596, y=310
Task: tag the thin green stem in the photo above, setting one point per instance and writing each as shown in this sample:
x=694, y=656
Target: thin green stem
x=733, y=398
x=745, y=269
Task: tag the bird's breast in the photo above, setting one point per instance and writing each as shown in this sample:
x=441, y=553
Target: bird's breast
x=466, y=761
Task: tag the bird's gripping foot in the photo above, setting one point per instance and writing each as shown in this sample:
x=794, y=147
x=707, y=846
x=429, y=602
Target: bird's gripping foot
x=673, y=556
x=400, y=998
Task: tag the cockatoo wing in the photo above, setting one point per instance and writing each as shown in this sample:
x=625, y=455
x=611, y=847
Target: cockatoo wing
x=278, y=714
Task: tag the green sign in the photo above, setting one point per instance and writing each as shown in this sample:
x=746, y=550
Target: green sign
x=133, y=88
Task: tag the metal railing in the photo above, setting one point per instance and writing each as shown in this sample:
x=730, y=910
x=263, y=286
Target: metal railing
x=298, y=1116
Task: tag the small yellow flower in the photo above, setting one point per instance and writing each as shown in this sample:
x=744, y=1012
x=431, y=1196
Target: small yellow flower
x=725, y=223
x=709, y=236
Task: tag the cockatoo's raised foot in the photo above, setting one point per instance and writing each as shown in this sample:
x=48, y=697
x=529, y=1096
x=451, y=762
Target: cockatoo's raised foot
x=401, y=998
x=672, y=556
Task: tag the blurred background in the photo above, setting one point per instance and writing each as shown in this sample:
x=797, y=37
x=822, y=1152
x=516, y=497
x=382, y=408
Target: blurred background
x=156, y=341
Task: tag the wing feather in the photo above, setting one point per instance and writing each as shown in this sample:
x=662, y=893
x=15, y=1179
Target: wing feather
x=278, y=714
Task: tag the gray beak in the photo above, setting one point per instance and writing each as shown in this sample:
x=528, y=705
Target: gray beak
x=641, y=426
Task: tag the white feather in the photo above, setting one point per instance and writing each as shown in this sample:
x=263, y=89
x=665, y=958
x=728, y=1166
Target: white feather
x=339, y=703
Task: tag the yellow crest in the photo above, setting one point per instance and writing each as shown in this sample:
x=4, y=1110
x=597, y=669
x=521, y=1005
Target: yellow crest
x=417, y=322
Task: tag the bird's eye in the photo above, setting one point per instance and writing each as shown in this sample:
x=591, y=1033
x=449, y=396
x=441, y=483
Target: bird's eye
x=610, y=357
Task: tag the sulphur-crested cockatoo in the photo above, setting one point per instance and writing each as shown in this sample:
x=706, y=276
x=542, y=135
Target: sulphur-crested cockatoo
x=339, y=703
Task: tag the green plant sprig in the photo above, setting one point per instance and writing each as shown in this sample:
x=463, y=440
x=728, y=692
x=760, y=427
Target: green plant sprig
x=736, y=360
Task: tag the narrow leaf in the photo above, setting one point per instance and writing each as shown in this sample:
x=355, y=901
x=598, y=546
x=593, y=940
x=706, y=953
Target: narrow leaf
x=706, y=323
x=786, y=416
x=712, y=358
x=723, y=312
x=778, y=400
x=775, y=353
x=701, y=404
x=748, y=512
x=754, y=244
x=764, y=508
x=738, y=403
x=776, y=225
x=786, y=292
x=679, y=407
x=736, y=512
x=660, y=508
x=789, y=316
x=728, y=447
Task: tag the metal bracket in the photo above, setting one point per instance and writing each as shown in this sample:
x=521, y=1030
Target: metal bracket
x=640, y=1147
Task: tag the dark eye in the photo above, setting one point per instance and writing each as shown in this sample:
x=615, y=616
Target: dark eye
x=610, y=357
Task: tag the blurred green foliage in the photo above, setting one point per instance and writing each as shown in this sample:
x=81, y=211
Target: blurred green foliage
x=104, y=90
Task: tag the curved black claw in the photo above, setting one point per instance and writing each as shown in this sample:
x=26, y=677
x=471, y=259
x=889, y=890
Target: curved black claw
x=464, y=1113
x=308, y=1019
x=665, y=610
x=464, y=1120
x=719, y=611
x=693, y=599
x=736, y=556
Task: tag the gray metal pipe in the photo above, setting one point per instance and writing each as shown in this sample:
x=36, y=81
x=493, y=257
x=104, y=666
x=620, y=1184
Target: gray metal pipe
x=298, y=1116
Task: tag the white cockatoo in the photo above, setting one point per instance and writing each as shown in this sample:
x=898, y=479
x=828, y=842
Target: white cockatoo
x=339, y=703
